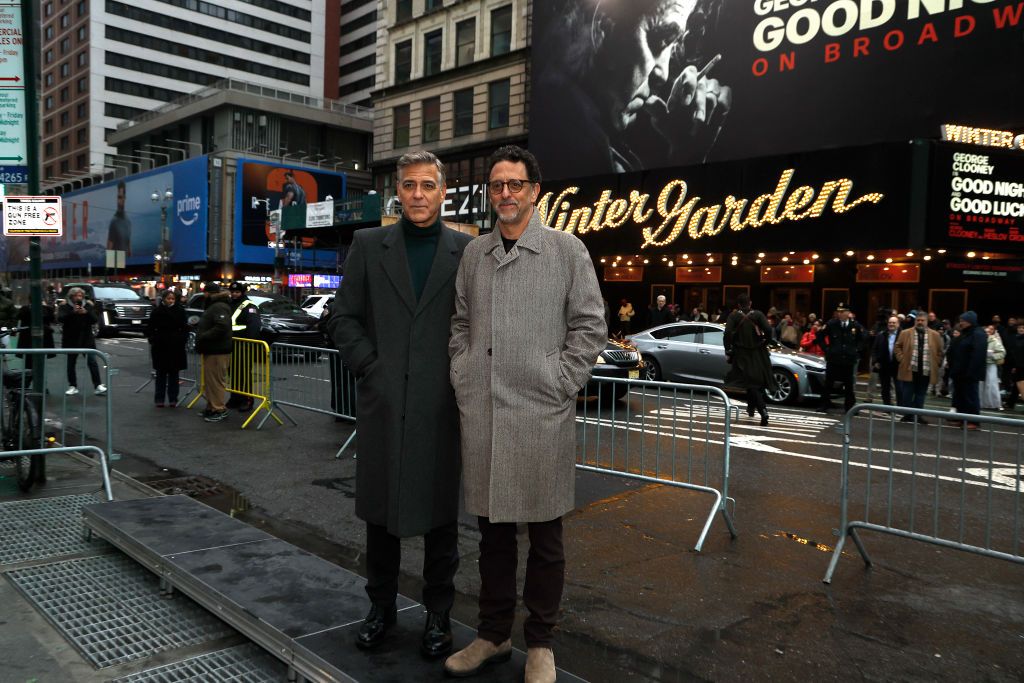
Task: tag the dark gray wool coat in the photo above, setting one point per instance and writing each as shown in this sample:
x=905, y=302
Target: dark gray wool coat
x=408, y=469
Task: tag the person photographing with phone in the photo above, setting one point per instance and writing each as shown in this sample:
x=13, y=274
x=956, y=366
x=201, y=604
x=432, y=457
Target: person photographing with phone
x=77, y=317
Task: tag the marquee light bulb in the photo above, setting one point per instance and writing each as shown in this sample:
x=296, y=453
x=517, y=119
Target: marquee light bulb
x=671, y=264
x=757, y=260
x=942, y=251
x=888, y=260
x=849, y=253
x=910, y=254
x=760, y=254
x=927, y=257
x=971, y=254
x=871, y=257
x=785, y=259
x=806, y=261
x=835, y=260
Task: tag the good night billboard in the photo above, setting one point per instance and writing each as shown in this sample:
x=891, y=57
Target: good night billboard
x=629, y=85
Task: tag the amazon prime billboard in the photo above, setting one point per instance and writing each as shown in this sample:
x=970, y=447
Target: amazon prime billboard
x=122, y=215
x=626, y=86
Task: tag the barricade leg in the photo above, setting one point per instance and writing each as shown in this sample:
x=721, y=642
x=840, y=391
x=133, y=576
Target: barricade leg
x=349, y=440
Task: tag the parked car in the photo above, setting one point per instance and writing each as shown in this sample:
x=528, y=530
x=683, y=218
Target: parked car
x=118, y=307
x=314, y=304
x=281, y=320
x=694, y=353
x=619, y=360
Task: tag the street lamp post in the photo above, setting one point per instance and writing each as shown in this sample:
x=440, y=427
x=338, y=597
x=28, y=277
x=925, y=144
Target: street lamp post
x=164, y=257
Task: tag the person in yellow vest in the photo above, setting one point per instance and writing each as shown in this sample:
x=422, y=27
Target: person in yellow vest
x=245, y=324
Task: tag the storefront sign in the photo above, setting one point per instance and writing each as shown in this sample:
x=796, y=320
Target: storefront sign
x=998, y=271
x=783, y=273
x=300, y=280
x=258, y=279
x=741, y=206
x=983, y=137
x=623, y=274
x=606, y=99
x=890, y=272
x=977, y=199
x=698, y=274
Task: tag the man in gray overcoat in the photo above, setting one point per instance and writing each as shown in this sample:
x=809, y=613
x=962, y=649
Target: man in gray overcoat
x=391, y=324
x=528, y=326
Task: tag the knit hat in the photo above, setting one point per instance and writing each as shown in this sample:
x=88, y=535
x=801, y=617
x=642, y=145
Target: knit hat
x=912, y=315
x=970, y=317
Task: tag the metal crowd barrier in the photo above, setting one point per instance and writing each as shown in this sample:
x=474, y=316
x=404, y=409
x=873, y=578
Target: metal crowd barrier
x=660, y=432
x=52, y=416
x=314, y=379
x=943, y=482
x=188, y=378
x=248, y=375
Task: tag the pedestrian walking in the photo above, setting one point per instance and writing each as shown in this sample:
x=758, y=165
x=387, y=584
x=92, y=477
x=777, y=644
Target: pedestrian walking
x=967, y=366
x=842, y=338
x=528, y=324
x=167, y=331
x=746, y=338
x=884, y=361
x=391, y=324
x=213, y=342
x=995, y=356
x=77, y=317
x=919, y=354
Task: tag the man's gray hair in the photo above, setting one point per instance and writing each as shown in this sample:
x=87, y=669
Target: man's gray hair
x=421, y=157
x=75, y=290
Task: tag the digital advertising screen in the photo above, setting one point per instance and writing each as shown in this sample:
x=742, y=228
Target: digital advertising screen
x=627, y=86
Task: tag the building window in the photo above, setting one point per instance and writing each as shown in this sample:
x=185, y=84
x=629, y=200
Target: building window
x=48, y=126
x=432, y=5
x=463, y=117
x=465, y=41
x=64, y=167
x=501, y=30
x=83, y=33
x=64, y=143
x=82, y=111
x=82, y=136
x=65, y=119
x=83, y=7
x=432, y=119
x=65, y=70
x=83, y=84
x=65, y=20
x=48, y=56
x=404, y=12
x=49, y=149
x=64, y=95
x=83, y=58
x=81, y=161
x=497, y=104
x=49, y=171
x=433, y=44
x=48, y=103
x=49, y=79
x=48, y=9
x=403, y=61
x=402, y=126
x=65, y=45
x=48, y=33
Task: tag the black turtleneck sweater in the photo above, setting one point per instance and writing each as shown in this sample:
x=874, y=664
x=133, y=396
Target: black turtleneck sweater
x=420, y=246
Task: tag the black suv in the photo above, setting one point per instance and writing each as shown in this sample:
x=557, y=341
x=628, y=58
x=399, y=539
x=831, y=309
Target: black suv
x=281, y=320
x=118, y=307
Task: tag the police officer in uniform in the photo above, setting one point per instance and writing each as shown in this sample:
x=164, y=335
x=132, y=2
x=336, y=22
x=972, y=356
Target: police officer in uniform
x=245, y=324
x=842, y=338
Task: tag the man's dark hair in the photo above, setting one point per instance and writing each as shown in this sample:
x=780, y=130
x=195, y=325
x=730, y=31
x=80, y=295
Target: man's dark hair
x=743, y=301
x=516, y=154
x=289, y=174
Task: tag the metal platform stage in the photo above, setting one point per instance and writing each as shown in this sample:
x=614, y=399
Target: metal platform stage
x=302, y=609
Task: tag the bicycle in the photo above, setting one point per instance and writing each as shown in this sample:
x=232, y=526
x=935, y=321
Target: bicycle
x=20, y=423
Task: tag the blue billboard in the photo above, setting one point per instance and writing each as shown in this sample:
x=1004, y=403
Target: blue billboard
x=262, y=188
x=122, y=215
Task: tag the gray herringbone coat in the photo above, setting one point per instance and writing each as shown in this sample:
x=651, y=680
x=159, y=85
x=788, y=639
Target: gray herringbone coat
x=407, y=472
x=527, y=329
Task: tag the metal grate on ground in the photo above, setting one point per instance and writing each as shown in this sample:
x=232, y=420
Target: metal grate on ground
x=242, y=664
x=44, y=528
x=109, y=607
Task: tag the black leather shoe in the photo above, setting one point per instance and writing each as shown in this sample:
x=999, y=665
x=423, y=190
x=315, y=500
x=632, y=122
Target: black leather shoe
x=376, y=626
x=437, y=635
x=764, y=419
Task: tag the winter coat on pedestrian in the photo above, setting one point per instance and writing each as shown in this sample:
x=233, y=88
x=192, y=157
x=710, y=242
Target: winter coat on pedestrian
x=167, y=332
x=213, y=334
x=967, y=353
x=842, y=344
x=407, y=472
x=1015, y=354
x=746, y=346
x=77, y=327
x=528, y=326
x=809, y=343
x=904, y=352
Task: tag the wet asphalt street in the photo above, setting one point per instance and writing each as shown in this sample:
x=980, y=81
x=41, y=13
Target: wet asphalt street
x=640, y=604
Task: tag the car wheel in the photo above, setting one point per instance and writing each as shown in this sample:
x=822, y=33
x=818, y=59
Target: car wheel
x=190, y=342
x=785, y=387
x=652, y=371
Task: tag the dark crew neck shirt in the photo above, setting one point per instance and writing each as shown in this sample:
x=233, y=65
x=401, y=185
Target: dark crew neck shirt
x=420, y=247
x=507, y=243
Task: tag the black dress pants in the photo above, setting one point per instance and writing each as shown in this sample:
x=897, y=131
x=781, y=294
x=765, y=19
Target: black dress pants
x=545, y=576
x=845, y=374
x=440, y=562
x=886, y=379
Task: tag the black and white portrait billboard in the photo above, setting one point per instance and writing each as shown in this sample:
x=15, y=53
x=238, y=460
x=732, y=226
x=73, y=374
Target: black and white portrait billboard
x=622, y=85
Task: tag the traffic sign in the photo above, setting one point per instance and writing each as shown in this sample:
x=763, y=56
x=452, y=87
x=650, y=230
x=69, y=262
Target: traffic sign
x=32, y=216
x=13, y=133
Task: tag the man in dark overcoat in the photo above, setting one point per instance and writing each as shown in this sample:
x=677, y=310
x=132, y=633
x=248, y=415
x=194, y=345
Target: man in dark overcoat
x=747, y=333
x=391, y=325
x=967, y=366
x=842, y=338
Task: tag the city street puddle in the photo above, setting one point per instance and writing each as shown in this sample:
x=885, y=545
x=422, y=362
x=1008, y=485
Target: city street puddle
x=805, y=541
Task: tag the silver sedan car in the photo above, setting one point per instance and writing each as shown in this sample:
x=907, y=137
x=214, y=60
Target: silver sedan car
x=694, y=353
